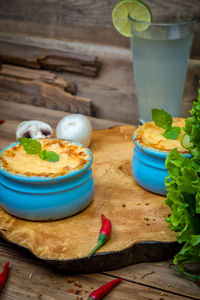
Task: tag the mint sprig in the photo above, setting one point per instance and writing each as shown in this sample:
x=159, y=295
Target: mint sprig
x=49, y=155
x=172, y=133
x=33, y=146
x=164, y=120
x=161, y=118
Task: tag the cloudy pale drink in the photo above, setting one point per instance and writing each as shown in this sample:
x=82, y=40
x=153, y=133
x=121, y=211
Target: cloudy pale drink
x=160, y=68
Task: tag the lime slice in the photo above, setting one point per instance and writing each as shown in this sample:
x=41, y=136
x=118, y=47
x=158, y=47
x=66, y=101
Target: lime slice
x=135, y=9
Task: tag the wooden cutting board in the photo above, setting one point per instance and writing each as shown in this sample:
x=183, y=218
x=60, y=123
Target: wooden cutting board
x=140, y=232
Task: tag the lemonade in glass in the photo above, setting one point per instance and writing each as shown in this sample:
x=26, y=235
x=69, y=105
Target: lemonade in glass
x=160, y=41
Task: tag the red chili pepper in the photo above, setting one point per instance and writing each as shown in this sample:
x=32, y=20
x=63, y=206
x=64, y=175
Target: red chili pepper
x=4, y=275
x=104, y=234
x=2, y=121
x=103, y=290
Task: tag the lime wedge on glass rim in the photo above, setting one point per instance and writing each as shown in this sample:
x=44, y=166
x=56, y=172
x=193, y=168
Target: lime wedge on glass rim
x=137, y=10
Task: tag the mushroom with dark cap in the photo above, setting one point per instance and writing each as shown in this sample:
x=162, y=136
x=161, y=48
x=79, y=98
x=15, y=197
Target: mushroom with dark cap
x=34, y=129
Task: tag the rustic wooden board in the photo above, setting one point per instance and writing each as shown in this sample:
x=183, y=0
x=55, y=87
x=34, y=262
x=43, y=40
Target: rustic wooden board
x=41, y=88
x=83, y=21
x=161, y=276
x=140, y=232
x=14, y=113
x=47, y=58
x=38, y=75
x=30, y=278
x=115, y=83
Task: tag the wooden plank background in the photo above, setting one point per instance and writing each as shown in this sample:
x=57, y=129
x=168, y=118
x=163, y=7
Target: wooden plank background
x=86, y=27
x=87, y=21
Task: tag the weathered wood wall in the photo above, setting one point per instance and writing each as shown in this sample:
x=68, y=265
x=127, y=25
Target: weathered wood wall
x=75, y=20
x=86, y=27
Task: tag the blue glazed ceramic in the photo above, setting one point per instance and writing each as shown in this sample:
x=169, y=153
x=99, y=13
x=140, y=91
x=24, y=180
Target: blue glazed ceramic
x=148, y=167
x=42, y=198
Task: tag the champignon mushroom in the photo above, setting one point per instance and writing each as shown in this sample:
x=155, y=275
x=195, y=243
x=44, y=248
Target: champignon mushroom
x=34, y=129
x=75, y=127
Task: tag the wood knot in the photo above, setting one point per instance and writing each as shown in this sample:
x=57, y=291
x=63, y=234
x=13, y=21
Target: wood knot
x=126, y=168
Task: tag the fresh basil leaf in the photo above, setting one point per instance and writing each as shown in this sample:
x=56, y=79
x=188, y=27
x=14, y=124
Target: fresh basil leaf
x=49, y=156
x=31, y=146
x=161, y=118
x=172, y=133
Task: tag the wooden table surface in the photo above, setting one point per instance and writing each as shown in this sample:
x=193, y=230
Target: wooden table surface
x=30, y=278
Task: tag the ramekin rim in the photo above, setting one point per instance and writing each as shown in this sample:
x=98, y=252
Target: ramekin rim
x=154, y=152
x=41, y=179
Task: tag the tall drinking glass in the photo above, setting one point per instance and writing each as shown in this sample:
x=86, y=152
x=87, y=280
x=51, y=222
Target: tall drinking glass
x=160, y=52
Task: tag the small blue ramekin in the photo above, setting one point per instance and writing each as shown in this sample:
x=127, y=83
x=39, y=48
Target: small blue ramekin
x=44, y=198
x=148, y=167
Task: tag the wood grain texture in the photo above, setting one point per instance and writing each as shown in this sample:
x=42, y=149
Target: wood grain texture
x=14, y=113
x=115, y=84
x=85, y=21
x=159, y=275
x=113, y=92
x=140, y=232
x=48, y=58
x=32, y=278
x=41, y=89
x=38, y=75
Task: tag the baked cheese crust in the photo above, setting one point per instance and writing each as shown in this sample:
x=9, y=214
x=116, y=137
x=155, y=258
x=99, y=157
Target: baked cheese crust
x=71, y=157
x=150, y=136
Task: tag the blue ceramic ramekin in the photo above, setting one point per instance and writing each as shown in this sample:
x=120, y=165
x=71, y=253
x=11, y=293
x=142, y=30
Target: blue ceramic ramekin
x=148, y=167
x=45, y=198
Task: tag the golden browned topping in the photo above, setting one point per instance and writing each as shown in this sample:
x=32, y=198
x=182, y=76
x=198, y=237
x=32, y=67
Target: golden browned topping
x=150, y=135
x=71, y=157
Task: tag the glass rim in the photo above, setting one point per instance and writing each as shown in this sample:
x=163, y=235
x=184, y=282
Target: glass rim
x=190, y=20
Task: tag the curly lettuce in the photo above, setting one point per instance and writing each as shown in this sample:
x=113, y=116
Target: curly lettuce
x=183, y=197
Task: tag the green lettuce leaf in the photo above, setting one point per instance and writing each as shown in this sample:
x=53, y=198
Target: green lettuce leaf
x=183, y=198
x=190, y=252
x=192, y=124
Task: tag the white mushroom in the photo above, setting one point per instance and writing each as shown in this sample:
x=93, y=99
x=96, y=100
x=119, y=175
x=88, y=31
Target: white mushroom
x=34, y=129
x=75, y=127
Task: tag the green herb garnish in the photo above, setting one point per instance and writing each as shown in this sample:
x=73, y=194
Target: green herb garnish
x=49, y=155
x=164, y=120
x=33, y=146
x=161, y=118
x=172, y=133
